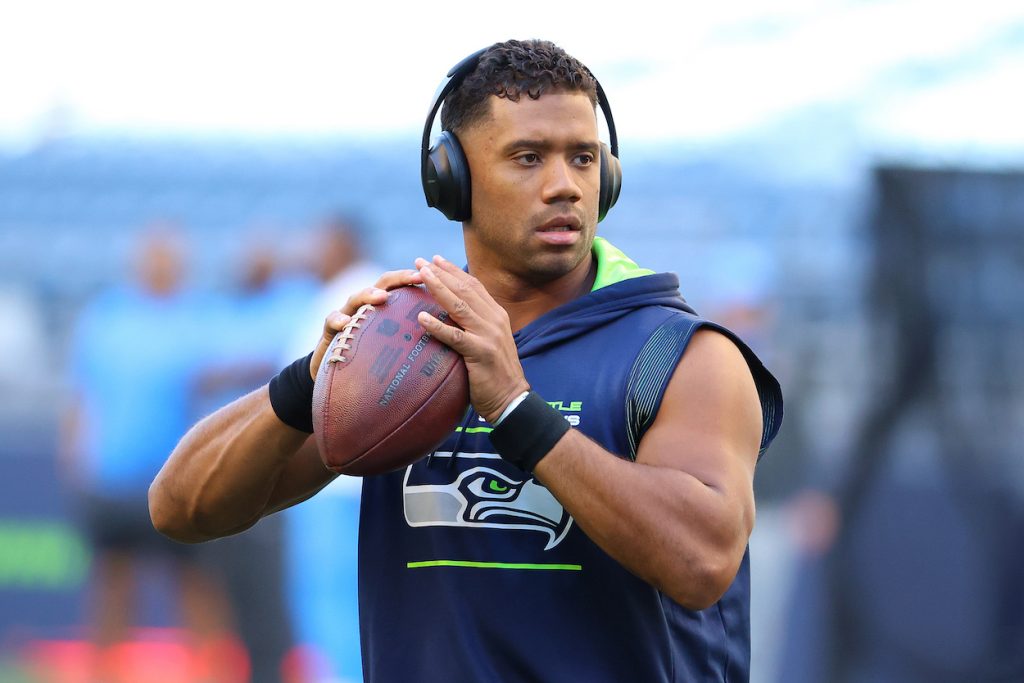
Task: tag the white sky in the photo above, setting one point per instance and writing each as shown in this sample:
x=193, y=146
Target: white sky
x=703, y=71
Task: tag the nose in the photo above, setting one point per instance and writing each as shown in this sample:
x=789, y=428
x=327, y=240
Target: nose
x=561, y=183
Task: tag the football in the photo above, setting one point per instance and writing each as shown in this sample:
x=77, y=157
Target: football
x=387, y=393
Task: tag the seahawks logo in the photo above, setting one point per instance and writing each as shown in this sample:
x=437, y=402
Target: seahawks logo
x=480, y=496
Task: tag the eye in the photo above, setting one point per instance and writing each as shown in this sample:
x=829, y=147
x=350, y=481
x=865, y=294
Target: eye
x=528, y=158
x=585, y=159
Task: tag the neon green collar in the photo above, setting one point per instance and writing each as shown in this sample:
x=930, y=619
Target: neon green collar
x=613, y=266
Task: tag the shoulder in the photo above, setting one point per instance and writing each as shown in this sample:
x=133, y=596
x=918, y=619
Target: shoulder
x=714, y=380
x=705, y=367
x=711, y=356
x=710, y=412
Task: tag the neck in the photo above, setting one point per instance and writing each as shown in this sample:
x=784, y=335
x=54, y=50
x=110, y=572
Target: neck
x=526, y=300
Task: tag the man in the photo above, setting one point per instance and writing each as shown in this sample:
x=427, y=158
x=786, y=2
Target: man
x=606, y=546
x=266, y=300
x=130, y=408
x=322, y=576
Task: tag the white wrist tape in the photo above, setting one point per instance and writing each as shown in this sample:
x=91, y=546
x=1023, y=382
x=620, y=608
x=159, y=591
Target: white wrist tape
x=511, y=406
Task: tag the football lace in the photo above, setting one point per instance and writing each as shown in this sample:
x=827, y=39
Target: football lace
x=341, y=344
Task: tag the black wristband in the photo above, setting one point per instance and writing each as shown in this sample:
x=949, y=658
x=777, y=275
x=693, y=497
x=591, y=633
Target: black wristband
x=291, y=395
x=529, y=432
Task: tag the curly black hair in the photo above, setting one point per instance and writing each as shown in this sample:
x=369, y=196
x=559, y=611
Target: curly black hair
x=509, y=70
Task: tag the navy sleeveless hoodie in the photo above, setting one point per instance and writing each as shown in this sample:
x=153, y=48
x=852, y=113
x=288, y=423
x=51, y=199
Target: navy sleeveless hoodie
x=470, y=570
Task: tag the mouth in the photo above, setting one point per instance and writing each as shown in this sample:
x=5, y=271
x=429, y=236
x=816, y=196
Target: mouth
x=561, y=224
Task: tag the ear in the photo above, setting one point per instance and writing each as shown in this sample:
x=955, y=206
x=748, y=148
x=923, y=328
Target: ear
x=446, y=178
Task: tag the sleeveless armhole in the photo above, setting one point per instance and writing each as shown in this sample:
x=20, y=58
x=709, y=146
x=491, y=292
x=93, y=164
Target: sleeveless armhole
x=657, y=360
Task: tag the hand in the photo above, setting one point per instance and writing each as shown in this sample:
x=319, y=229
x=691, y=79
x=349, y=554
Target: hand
x=376, y=295
x=483, y=336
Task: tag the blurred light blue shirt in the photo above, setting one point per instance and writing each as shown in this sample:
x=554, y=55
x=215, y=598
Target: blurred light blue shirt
x=131, y=356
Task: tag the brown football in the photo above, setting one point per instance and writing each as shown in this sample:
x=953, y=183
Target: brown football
x=387, y=393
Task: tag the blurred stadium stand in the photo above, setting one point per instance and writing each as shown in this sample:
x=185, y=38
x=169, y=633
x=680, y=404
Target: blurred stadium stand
x=799, y=250
x=69, y=212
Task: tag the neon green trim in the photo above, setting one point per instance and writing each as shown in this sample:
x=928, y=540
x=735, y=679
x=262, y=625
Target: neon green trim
x=475, y=430
x=614, y=266
x=496, y=487
x=493, y=565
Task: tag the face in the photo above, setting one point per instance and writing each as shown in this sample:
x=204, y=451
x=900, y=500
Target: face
x=159, y=264
x=535, y=171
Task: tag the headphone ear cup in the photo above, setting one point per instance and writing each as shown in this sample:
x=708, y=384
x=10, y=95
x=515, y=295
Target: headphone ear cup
x=611, y=182
x=447, y=184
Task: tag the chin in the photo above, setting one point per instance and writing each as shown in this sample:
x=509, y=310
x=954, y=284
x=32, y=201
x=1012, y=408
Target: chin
x=549, y=267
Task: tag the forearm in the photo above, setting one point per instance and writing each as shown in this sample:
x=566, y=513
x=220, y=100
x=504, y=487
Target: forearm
x=679, y=534
x=243, y=462
x=226, y=472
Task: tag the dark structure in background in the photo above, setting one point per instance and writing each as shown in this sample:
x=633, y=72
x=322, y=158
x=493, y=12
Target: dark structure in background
x=923, y=582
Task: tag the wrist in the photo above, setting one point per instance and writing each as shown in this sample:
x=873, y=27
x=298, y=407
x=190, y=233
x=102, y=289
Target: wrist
x=528, y=432
x=291, y=395
x=511, y=406
x=505, y=404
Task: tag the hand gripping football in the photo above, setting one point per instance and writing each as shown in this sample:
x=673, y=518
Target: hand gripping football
x=387, y=393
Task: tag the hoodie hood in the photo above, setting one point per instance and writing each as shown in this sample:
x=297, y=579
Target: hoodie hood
x=621, y=286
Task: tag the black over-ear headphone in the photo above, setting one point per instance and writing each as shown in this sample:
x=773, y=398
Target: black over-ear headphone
x=445, y=171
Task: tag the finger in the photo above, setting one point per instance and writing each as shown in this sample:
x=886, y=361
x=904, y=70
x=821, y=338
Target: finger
x=449, y=335
x=335, y=323
x=374, y=296
x=450, y=268
x=441, y=261
x=399, y=278
x=458, y=308
x=458, y=281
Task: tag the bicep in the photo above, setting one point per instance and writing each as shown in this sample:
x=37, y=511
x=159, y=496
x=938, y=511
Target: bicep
x=709, y=422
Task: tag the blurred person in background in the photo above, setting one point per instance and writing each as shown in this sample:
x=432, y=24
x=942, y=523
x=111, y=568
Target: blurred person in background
x=266, y=301
x=267, y=296
x=130, y=353
x=322, y=576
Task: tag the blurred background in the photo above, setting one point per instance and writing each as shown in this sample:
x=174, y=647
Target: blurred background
x=185, y=188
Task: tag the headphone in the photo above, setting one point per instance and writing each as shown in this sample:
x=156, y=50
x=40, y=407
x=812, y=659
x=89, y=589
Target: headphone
x=444, y=170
